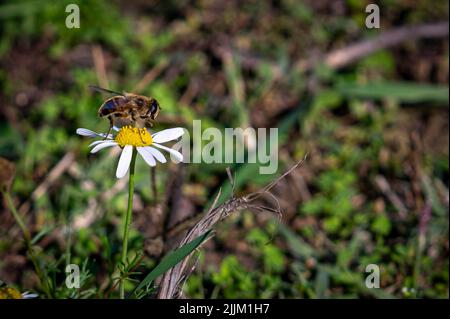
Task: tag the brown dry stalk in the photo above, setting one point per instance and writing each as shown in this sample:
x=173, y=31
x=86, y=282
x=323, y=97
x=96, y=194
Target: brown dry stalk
x=349, y=54
x=151, y=75
x=55, y=173
x=343, y=57
x=99, y=64
x=172, y=281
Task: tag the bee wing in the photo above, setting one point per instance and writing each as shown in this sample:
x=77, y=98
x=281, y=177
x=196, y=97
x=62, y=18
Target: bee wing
x=99, y=89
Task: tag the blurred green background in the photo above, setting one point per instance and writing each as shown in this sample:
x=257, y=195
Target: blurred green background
x=373, y=190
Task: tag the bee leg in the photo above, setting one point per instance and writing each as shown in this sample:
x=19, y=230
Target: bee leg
x=110, y=128
x=148, y=123
x=133, y=115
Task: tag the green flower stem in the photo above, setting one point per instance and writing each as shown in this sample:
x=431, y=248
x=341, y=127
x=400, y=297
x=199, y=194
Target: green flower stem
x=127, y=221
x=27, y=237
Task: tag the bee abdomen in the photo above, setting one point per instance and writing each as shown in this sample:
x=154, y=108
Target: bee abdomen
x=110, y=106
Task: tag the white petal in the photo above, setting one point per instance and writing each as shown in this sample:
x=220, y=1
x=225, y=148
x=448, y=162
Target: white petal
x=178, y=156
x=103, y=145
x=147, y=156
x=87, y=132
x=124, y=161
x=157, y=154
x=168, y=135
x=96, y=142
x=28, y=295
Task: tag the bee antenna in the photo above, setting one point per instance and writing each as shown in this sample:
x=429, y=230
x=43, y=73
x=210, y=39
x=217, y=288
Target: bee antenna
x=100, y=89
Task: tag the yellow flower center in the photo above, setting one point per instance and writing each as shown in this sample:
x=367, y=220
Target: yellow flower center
x=9, y=293
x=129, y=135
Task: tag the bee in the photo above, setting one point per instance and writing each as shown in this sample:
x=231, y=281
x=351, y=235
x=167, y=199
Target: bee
x=128, y=109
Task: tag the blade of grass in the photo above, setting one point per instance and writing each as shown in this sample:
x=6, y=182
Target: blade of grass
x=171, y=260
x=407, y=92
x=296, y=244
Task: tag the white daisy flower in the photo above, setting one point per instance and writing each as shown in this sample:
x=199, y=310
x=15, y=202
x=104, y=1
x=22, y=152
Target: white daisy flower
x=29, y=295
x=146, y=144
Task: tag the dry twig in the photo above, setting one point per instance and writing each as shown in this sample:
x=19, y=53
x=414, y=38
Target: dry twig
x=99, y=64
x=172, y=281
x=59, y=169
x=345, y=56
x=386, y=189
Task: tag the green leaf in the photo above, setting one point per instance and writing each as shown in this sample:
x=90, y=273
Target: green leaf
x=41, y=234
x=171, y=260
x=431, y=194
x=402, y=91
x=296, y=244
x=381, y=225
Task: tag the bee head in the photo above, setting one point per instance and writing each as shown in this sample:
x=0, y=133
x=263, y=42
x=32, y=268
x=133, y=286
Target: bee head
x=153, y=108
x=147, y=105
